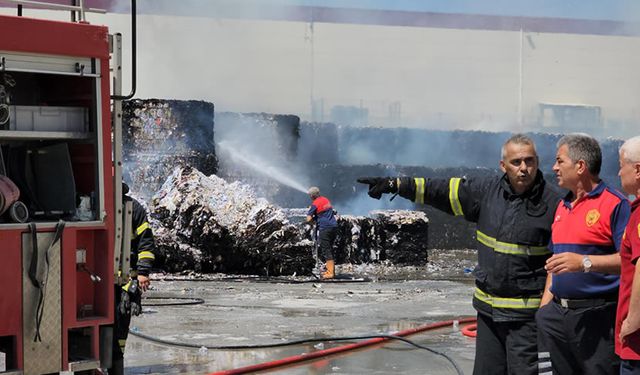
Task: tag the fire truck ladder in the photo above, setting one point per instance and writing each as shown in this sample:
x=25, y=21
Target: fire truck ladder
x=78, y=12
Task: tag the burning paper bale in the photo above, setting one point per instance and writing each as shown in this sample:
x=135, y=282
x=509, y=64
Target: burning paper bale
x=162, y=134
x=209, y=225
x=234, y=231
x=406, y=236
x=397, y=236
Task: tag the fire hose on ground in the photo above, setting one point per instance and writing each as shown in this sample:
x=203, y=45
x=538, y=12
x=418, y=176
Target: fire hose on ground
x=274, y=279
x=369, y=340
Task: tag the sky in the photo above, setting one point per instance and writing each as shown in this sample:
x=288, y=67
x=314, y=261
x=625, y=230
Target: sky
x=617, y=10
x=614, y=10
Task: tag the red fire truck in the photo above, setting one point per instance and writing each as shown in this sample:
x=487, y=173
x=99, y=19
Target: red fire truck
x=63, y=245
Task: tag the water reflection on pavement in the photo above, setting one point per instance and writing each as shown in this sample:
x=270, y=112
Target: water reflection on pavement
x=250, y=313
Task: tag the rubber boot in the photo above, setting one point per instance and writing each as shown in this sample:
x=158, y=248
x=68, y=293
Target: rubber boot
x=330, y=272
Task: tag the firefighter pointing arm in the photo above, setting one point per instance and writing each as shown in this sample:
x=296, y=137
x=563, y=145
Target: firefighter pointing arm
x=513, y=214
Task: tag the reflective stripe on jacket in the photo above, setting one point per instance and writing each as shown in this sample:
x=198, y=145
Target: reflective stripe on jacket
x=513, y=232
x=143, y=246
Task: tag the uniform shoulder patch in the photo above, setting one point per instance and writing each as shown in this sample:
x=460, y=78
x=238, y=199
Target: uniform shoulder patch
x=592, y=217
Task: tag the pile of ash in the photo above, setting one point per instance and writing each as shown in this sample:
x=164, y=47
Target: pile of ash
x=208, y=225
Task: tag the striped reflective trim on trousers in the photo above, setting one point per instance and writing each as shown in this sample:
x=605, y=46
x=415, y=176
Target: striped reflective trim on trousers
x=506, y=303
x=544, y=363
x=420, y=189
x=454, y=185
x=511, y=248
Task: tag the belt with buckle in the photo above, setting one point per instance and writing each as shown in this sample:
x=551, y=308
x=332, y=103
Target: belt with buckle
x=581, y=303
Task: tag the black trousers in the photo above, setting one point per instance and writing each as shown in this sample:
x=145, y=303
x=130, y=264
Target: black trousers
x=577, y=340
x=120, y=327
x=506, y=347
x=629, y=367
x=326, y=238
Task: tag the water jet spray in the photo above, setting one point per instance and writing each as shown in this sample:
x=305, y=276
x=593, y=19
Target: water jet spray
x=260, y=166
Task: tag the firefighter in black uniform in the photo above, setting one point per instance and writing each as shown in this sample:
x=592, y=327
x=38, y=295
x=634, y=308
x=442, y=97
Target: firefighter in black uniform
x=128, y=296
x=513, y=214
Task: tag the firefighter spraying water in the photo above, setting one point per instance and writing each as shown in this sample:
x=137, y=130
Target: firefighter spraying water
x=321, y=212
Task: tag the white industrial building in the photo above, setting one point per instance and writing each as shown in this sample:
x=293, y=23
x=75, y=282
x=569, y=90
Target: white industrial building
x=377, y=67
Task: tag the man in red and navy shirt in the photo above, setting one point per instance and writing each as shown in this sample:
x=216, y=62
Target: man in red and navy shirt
x=322, y=212
x=628, y=317
x=577, y=313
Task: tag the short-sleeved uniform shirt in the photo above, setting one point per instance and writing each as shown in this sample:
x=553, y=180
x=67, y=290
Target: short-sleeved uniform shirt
x=322, y=211
x=629, y=254
x=592, y=226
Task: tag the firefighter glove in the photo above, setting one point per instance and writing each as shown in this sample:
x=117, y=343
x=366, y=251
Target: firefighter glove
x=407, y=187
x=380, y=185
x=131, y=299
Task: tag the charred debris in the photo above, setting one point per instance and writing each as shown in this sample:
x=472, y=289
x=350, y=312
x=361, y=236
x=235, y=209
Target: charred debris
x=206, y=224
x=205, y=205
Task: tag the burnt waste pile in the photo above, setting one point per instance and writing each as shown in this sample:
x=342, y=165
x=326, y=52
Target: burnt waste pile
x=205, y=224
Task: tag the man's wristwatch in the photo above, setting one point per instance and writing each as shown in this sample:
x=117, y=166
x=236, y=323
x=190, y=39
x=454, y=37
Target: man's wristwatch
x=586, y=263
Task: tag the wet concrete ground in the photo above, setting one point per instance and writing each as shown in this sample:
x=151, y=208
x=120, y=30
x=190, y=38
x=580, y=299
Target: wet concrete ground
x=251, y=312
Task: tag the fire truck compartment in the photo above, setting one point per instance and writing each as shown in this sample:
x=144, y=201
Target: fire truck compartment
x=50, y=147
x=49, y=118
